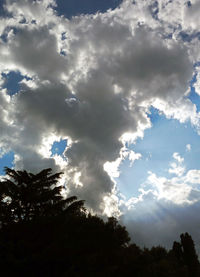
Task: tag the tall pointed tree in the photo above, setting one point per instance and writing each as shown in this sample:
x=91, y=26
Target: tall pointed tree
x=189, y=255
x=25, y=196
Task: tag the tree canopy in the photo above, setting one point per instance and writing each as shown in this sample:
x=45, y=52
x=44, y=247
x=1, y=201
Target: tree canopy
x=25, y=196
x=44, y=234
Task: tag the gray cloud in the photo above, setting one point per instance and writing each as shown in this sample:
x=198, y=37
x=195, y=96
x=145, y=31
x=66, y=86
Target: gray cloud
x=162, y=223
x=116, y=65
x=36, y=52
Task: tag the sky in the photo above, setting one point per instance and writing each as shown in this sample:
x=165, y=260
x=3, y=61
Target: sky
x=109, y=93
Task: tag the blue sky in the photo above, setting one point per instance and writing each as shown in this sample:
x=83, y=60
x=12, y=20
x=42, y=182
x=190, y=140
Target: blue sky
x=12, y=82
x=75, y=7
x=127, y=63
x=6, y=161
x=165, y=137
x=58, y=147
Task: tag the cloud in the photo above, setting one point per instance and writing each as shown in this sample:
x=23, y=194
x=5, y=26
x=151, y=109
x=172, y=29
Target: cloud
x=181, y=188
x=188, y=147
x=93, y=80
x=197, y=83
x=176, y=167
x=153, y=222
x=164, y=208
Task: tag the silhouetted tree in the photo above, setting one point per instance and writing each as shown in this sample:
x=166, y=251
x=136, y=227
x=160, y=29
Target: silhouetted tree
x=25, y=196
x=189, y=255
x=177, y=251
x=183, y=256
x=45, y=235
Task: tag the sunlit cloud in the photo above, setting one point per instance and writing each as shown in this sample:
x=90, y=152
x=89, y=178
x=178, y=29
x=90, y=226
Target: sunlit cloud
x=96, y=81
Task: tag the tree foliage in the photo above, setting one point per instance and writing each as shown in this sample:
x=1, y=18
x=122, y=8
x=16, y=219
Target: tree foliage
x=25, y=196
x=44, y=234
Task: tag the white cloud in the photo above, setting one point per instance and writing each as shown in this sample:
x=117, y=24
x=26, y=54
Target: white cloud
x=178, y=158
x=174, y=190
x=197, y=83
x=188, y=147
x=176, y=167
x=112, y=168
x=193, y=176
x=183, y=188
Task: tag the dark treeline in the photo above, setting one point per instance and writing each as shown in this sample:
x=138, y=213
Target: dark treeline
x=43, y=234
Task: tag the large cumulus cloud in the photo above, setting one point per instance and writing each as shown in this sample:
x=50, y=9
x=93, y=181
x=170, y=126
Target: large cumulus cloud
x=91, y=80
